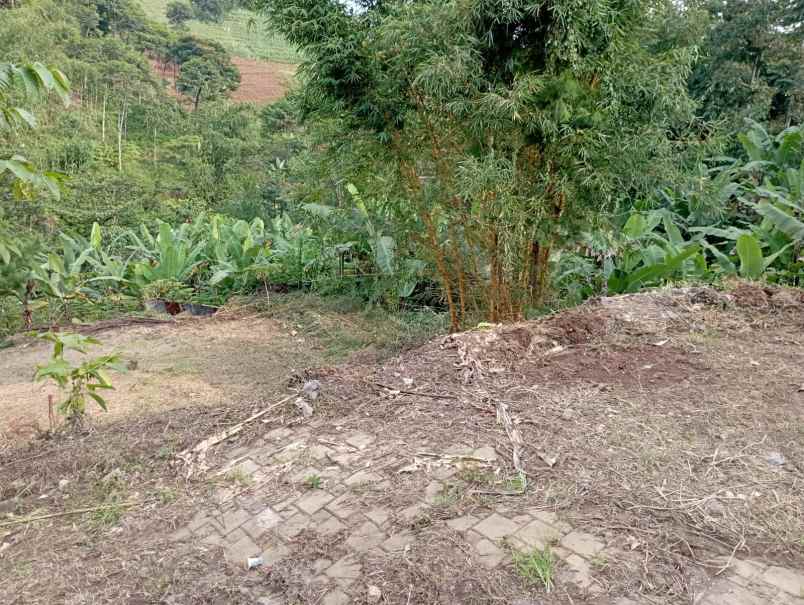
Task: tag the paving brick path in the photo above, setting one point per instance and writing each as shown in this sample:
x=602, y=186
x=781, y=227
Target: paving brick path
x=263, y=521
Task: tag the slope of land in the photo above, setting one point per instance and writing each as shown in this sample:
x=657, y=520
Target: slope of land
x=654, y=443
x=261, y=82
x=242, y=33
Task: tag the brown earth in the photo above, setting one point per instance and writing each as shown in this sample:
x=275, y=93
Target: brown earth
x=661, y=436
x=262, y=82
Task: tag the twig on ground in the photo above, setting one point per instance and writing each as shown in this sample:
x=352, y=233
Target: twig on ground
x=224, y=435
x=78, y=511
x=420, y=393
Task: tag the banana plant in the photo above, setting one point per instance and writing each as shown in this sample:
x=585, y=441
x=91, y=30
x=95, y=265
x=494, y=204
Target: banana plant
x=239, y=251
x=66, y=276
x=767, y=241
x=648, y=258
x=171, y=255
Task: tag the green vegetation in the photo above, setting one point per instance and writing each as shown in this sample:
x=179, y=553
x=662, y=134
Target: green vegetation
x=241, y=32
x=78, y=382
x=313, y=481
x=437, y=157
x=536, y=566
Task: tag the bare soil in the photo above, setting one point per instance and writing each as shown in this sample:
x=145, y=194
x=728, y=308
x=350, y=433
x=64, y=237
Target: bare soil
x=261, y=82
x=675, y=419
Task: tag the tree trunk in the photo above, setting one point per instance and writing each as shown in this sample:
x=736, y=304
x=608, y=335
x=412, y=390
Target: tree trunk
x=103, y=117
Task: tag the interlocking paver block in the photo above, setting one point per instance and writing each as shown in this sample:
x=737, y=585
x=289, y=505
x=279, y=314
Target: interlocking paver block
x=537, y=535
x=398, y=541
x=360, y=440
x=365, y=537
x=490, y=553
x=274, y=553
x=788, y=580
x=237, y=552
x=248, y=467
x=320, y=452
x=412, y=512
x=335, y=597
x=581, y=573
x=292, y=527
x=314, y=501
x=496, y=526
x=233, y=519
x=326, y=524
x=433, y=491
x=200, y=519
x=343, y=506
x=582, y=543
x=180, y=534
x=462, y=523
x=278, y=434
x=724, y=592
x=444, y=472
x=303, y=476
x=345, y=570
x=208, y=531
x=262, y=522
x=345, y=459
x=363, y=477
x=379, y=515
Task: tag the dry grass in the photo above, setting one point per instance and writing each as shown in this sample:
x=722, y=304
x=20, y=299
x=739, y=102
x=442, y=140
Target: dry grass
x=661, y=410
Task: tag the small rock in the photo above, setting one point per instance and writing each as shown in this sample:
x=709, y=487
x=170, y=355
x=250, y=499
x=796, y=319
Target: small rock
x=374, y=594
x=776, y=459
x=304, y=407
x=311, y=389
x=253, y=562
x=63, y=483
x=408, y=382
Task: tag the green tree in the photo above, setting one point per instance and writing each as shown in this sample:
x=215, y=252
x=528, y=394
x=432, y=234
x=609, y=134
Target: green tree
x=751, y=64
x=204, y=77
x=178, y=13
x=511, y=126
x=212, y=10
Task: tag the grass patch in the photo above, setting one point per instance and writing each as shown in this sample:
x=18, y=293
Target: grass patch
x=239, y=477
x=536, y=567
x=313, y=481
x=343, y=324
x=243, y=33
x=450, y=494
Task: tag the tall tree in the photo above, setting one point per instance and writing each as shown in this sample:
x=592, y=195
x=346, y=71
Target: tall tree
x=751, y=64
x=178, y=13
x=511, y=124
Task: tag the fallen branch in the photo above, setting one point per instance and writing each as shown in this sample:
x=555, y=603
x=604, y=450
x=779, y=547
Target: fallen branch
x=504, y=418
x=454, y=457
x=78, y=511
x=394, y=391
x=223, y=436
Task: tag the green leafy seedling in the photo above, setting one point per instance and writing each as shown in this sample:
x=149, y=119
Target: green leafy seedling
x=78, y=383
x=313, y=481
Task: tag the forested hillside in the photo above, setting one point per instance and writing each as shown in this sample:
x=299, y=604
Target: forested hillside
x=492, y=302
x=429, y=156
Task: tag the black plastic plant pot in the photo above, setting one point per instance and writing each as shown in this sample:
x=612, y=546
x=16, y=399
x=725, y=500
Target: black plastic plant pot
x=156, y=305
x=198, y=310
